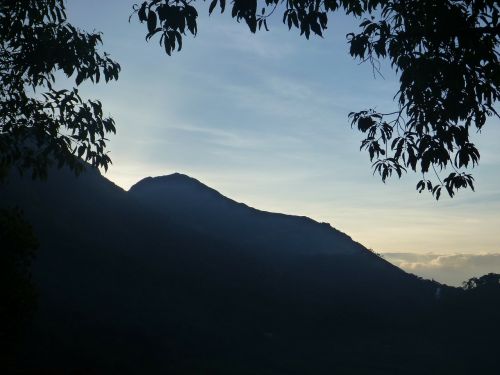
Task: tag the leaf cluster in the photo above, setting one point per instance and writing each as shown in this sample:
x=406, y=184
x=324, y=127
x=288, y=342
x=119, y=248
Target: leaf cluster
x=447, y=55
x=170, y=19
x=40, y=125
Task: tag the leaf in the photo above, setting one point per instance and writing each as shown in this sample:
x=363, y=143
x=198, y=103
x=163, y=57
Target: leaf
x=252, y=23
x=179, y=40
x=152, y=22
x=212, y=6
x=166, y=45
x=295, y=19
x=81, y=150
x=142, y=12
x=316, y=28
x=79, y=78
x=420, y=186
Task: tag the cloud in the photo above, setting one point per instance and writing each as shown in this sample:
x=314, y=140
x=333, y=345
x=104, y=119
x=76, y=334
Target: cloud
x=450, y=269
x=241, y=40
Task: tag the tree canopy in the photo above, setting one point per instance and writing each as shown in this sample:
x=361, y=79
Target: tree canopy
x=40, y=124
x=17, y=292
x=445, y=52
x=491, y=280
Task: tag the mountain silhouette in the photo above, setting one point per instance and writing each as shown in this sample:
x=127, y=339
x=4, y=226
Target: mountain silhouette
x=194, y=204
x=173, y=277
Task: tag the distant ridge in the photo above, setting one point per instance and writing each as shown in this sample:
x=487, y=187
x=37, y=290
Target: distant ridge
x=194, y=204
x=186, y=184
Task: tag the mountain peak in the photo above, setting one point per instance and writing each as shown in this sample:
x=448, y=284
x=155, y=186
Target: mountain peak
x=176, y=186
x=170, y=179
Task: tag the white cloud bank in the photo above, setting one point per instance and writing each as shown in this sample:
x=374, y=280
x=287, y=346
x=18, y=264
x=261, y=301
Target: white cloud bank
x=451, y=269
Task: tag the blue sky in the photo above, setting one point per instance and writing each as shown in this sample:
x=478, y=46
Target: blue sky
x=263, y=119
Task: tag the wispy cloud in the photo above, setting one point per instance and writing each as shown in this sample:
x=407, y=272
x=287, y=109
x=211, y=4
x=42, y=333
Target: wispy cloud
x=450, y=269
x=241, y=40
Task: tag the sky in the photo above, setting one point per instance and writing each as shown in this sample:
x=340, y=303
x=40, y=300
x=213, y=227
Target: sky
x=262, y=118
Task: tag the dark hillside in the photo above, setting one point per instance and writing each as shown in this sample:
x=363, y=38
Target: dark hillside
x=157, y=280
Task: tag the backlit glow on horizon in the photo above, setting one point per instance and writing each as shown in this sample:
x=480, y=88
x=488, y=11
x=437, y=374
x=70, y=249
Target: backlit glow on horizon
x=263, y=119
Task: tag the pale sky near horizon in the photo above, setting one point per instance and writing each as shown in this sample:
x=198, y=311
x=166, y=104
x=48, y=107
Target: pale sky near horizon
x=263, y=119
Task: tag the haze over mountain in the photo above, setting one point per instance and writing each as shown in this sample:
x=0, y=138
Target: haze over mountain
x=173, y=276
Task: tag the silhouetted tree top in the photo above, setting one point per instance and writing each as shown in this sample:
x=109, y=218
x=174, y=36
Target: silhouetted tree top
x=490, y=280
x=445, y=51
x=482, y=296
x=38, y=123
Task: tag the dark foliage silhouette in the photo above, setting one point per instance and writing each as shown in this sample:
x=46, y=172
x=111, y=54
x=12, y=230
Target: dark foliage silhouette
x=446, y=54
x=17, y=293
x=490, y=281
x=40, y=124
x=483, y=296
